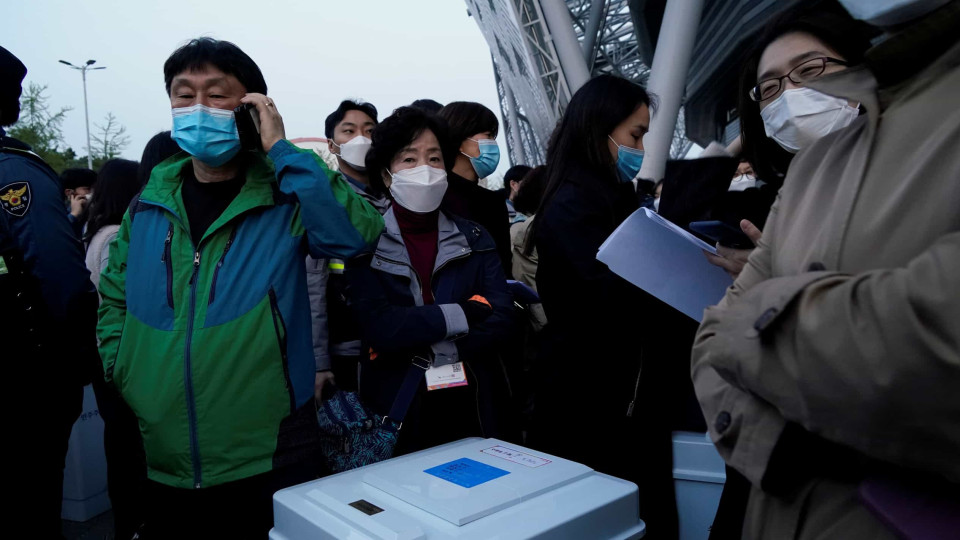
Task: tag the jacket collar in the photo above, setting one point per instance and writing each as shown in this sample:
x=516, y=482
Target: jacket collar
x=376, y=199
x=451, y=242
x=15, y=144
x=391, y=244
x=929, y=47
x=920, y=44
x=857, y=84
x=163, y=189
x=459, y=181
x=354, y=183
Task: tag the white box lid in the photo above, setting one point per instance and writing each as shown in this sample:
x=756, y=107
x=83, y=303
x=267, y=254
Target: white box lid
x=472, y=480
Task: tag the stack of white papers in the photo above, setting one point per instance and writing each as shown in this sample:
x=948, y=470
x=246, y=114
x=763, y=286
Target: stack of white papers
x=666, y=261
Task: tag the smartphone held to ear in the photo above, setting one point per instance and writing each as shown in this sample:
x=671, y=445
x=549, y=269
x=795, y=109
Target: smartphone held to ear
x=723, y=234
x=248, y=127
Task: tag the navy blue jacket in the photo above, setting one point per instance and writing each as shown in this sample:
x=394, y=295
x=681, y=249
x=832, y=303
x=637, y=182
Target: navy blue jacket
x=384, y=293
x=33, y=222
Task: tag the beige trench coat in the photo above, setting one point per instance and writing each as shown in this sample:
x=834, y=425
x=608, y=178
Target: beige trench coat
x=846, y=320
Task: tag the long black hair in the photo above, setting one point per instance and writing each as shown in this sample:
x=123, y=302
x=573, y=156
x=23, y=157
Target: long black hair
x=827, y=22
x=158, y=148
x=531, y=191
x=579, y=143
x=117, y=185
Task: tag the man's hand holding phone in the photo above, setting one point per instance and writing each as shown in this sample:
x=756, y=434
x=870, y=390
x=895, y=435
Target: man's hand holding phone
x=271, y=123
x=78, y=203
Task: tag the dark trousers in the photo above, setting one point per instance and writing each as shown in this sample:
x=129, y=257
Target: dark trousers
x=126, y=462
x=581, y=414
x=728, y=522
x=235, y=510
x=637, y=449
x=36, y=447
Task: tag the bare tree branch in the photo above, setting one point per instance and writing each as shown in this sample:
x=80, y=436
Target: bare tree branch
x=110, y=139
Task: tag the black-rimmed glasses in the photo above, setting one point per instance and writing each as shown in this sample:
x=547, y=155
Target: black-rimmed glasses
x=805, y=72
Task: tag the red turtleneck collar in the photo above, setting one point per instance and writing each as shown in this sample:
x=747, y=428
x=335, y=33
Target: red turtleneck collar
x=420, y=234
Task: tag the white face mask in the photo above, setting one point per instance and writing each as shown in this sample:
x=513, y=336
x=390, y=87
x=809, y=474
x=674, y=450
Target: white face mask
x=890, y=12
x=419, y=189
x=743, y=182
x=802, y=115
x=354, y=152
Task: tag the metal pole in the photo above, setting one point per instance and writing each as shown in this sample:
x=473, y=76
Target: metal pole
x=86, y=111
x=591, y=34
x=86, y=114
x=569, y=53
x=668, y=76
x=519, y=155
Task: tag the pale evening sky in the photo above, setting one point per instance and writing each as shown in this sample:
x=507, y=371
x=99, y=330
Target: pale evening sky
x=313, y=54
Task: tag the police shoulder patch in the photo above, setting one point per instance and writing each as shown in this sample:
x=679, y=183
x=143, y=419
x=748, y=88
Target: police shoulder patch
x=15, y=198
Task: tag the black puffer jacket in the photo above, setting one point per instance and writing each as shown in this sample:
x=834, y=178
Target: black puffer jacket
x=484, y=207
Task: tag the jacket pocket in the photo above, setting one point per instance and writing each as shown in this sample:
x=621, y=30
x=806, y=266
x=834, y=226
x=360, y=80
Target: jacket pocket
x=167, y=261
x=112, y=371
x=216, y=271
x=280, y=329
x=150, y=274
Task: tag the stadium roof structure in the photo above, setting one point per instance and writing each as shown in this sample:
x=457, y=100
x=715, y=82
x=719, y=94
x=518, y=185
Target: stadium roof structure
x=535, y=69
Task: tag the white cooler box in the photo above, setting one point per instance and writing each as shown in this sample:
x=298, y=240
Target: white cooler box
x=470, y=489
x=698, y=478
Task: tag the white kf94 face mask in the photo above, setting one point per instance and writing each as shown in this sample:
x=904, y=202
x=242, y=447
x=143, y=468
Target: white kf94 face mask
x=743, y=182
x=419, y=189
x=802, y=115
x=354, y=151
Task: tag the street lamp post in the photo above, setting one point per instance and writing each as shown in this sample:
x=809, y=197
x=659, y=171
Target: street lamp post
x=86, y=112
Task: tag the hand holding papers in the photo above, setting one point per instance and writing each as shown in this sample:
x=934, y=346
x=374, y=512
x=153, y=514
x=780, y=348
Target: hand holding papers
x=666, y=261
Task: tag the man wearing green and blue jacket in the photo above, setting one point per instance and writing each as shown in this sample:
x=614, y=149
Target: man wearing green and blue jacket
x=205, y=322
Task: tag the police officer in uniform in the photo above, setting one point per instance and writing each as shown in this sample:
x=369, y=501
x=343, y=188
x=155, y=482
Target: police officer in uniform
x=47, y=323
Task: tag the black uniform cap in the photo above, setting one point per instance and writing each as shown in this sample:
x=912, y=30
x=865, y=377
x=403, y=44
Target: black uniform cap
x=12, y=72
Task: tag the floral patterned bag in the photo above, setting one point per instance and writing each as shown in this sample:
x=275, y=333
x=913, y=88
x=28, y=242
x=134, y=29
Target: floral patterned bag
x=352, y=436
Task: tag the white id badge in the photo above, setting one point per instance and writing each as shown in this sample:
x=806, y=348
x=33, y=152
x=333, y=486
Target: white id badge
x=448, y=376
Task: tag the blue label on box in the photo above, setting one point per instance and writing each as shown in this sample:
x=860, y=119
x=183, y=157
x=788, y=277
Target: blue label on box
x=466, y=472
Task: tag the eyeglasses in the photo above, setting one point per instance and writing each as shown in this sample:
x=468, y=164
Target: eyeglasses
x=805, y=72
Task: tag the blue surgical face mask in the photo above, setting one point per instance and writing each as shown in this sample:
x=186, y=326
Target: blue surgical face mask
x=207, y=134
x=628, y=161
x=488, y=159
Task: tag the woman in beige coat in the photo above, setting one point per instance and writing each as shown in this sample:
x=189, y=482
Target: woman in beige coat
x=835, y=358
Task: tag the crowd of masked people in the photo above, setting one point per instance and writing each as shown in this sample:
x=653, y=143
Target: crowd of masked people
x=239, y=287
